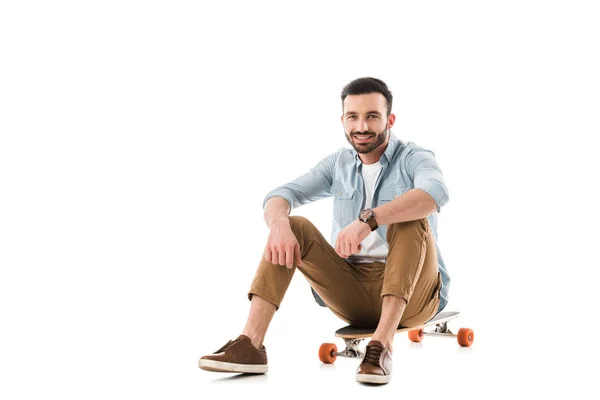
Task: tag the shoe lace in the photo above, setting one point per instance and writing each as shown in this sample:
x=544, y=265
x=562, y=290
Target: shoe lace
x=373, y=352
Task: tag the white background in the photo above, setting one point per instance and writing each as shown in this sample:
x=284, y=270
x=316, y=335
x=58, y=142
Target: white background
x=138, y=140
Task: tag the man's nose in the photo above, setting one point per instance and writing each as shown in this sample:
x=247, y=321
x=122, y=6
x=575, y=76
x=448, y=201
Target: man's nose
x=362, y=125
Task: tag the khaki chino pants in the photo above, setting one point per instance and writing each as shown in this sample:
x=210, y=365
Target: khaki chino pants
x=354, y=292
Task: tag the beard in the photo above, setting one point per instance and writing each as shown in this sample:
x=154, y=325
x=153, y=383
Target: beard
x=371, y=145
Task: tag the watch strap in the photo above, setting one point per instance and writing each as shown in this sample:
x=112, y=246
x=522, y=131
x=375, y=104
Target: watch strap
x=372, y=223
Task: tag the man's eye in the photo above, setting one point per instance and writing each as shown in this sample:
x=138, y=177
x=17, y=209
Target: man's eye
x=351, y=117
x=373, y=116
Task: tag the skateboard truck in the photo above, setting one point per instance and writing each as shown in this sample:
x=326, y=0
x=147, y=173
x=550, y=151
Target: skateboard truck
x=352, y=349
x=464, y=336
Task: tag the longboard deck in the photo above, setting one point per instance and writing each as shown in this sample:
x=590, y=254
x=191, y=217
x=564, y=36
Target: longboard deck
x=351, y=332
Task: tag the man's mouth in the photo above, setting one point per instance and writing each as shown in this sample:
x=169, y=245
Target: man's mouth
x=363, y=138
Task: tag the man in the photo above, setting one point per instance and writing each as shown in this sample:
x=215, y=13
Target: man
x=385, y=269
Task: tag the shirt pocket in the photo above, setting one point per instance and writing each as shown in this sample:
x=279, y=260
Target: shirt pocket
x=389, y=193
x=343, y=203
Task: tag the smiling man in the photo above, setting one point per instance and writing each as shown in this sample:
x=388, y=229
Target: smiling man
x=382, y=268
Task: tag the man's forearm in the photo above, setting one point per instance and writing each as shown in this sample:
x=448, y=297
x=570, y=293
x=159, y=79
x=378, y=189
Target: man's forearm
x=412, y=205
x=276, y=208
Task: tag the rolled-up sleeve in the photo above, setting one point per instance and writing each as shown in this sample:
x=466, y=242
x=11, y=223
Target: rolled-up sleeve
x=312, y=186
x=423, y=168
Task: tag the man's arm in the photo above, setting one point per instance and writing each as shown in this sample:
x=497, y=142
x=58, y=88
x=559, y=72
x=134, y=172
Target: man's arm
x=414, y=204
x=276, y=209
x=429, y=195
x=282, y=246
x=314, y=185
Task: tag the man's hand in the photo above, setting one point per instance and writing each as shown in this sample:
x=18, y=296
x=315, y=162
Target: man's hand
x=282, y=246
x=349, y=239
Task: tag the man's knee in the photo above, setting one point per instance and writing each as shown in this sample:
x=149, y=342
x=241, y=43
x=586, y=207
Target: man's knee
x=302, y=228
x=420, y=223
x=298, y=222
x=420, y=226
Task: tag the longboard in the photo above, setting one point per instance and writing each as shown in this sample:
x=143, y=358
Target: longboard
x=353, y=336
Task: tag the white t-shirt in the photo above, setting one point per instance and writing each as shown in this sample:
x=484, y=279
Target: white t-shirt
x=374, y=248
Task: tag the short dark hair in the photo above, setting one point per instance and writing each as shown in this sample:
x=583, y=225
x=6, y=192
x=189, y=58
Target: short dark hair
x=368, y=85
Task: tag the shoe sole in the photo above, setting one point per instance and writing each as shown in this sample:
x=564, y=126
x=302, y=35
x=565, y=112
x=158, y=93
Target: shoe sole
x=379, y=379
x=220, y=366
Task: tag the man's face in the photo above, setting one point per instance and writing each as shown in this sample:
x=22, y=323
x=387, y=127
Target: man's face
x=366, y=123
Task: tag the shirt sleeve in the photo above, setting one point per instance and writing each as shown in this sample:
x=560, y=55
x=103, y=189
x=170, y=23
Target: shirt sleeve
x=426, y=174
x=313, y=185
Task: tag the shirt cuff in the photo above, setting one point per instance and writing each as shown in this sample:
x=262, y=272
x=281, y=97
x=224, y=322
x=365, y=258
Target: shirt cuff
x=437, y=191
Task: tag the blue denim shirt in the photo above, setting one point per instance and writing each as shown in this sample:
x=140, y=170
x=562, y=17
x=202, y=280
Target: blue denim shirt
x=404, y=166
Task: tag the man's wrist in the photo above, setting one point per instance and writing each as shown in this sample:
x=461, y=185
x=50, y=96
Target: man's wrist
x=368, y=217
x=285, y=220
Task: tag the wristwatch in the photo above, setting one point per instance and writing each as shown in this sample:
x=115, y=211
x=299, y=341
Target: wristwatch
x=368, y=216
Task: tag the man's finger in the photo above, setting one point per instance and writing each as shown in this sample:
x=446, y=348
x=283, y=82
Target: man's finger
x=346, y=249
x=274, y=256
x=268, y=255
x=289, y=258
x=281, y=257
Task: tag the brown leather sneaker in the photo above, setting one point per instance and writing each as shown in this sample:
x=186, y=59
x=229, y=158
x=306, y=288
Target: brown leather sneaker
x=237, y=355
x=376, y=366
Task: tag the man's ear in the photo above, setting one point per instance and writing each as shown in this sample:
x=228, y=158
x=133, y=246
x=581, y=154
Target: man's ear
x=391, y=120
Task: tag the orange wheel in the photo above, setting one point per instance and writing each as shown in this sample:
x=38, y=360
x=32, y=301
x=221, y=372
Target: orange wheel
x=465, y=337
x=327, y=353
x=416, y=335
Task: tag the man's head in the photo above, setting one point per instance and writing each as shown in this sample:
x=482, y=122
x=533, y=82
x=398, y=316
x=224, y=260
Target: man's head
x=367, y=114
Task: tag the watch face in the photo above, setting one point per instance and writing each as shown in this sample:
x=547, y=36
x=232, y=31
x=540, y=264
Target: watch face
x=366, y=214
